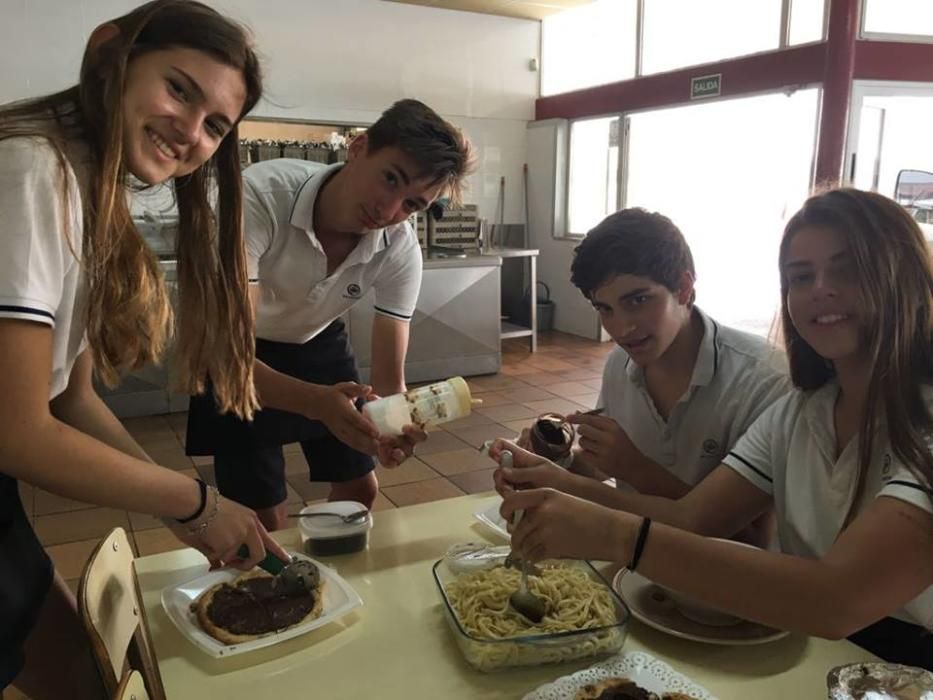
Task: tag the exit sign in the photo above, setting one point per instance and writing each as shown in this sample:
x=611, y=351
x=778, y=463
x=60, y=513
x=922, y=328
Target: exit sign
x=705, y=86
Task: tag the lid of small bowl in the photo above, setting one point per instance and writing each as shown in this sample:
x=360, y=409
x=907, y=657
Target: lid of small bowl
x=327, y=527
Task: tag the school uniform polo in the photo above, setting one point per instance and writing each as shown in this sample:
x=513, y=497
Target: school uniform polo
x=298, y=329
x=298, y=298
x=736, y=376
x=789, y=453
x=40, y=282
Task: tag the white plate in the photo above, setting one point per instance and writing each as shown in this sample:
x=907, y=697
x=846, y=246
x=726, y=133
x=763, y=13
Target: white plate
x=650, y=673
x=652, y=606
x=491, y=519
x=339, y=599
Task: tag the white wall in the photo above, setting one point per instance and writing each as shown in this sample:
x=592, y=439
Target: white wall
x=547, y=143
x=334, y=60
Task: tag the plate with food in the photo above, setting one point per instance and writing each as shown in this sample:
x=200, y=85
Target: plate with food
x=583, y=616
x=635, y=675
x=884, y=681
x=228, y=612
x=675, y=614
x=490, y=518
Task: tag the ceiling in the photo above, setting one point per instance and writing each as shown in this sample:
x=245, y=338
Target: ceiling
x=525, y=9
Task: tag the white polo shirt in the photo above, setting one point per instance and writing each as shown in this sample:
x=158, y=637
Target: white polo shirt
x=40, y=272
x=298, y=298
x=789, y=453
x=736, y=376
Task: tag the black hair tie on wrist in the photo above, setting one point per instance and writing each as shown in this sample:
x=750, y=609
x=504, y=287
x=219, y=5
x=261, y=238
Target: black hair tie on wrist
x=197, y=514
x=640, y=543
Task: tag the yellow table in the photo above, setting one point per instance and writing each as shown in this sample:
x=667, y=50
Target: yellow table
x=398, y=645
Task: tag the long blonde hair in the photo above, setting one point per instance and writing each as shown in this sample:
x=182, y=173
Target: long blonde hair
x=894, y=270
x=129, y=317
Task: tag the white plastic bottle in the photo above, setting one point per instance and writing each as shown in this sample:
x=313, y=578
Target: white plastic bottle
x=426, y=405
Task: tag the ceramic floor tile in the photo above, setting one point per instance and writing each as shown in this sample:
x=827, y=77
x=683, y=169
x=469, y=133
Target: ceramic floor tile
x=569, y=389
x=79, y=525
x=492, y=398
x=547, y=364
x=588, y=400
x=469, y=421
x=481, y=433
x=409, y=471
x=156, y=541
x=70, y=558
x=171, y=458
x=296, y=464
x=474, y=482
x=507, y=412
x=309, y=490
x=541, y=379
x=207, y=473
x=531, y=393
x=579, y=374
x=441, y=442
x=144, y=521
x=493, y=382
x=422, y=492
x=160, y=441
x=562, y=406
x=458, y=461
x=46, y=503
x=595, y=384
x=517, y=426
x=382, y=503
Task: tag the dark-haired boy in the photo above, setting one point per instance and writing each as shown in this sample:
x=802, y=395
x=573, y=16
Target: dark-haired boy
x=680, y=388
x=319, y=238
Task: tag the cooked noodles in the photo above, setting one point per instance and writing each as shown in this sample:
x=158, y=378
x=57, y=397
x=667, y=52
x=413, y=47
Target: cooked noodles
x=574, y=602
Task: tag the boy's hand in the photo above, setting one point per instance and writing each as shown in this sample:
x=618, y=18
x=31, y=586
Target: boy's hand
x=605, y=444
x=335, y=407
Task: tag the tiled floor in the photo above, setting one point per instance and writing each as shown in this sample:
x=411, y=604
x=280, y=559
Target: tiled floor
x=562, y=376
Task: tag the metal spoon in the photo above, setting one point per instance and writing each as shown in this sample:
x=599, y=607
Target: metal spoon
x=523, y=601
x=348, y=518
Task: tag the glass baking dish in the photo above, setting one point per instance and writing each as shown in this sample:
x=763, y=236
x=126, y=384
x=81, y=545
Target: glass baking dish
x=536, y=649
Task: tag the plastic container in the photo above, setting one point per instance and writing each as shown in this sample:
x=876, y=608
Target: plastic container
x=426, y=405
x=535, y=649
x=326, y=536
x=552, y=436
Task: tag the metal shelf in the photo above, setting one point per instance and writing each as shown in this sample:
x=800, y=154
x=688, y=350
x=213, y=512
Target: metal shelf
x=513, y=330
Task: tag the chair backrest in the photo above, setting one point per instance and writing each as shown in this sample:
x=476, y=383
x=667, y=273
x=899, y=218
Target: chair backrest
x=109, y=607
x=132, y=687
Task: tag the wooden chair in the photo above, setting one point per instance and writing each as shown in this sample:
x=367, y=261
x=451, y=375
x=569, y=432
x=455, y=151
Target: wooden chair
x=113, y=618
x=132, y=687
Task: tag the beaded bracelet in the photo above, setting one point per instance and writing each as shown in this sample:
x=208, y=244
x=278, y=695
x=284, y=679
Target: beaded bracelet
x=199, y=528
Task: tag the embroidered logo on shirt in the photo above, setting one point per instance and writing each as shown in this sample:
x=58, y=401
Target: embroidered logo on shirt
x=353, y=290
x=710, y=446
x=886, y=465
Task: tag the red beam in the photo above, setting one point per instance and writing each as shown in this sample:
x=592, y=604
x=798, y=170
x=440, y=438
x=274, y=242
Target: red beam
x=764, y=72
x=837, y=90
x=893, y=60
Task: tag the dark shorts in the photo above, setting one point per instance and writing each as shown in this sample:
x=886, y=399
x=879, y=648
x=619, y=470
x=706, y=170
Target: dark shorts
x=248, y=459
x=897, y=642
x=25, y=577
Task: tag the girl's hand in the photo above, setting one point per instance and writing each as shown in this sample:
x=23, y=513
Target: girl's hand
x=233, y=525
x=557, y=525
x=529, y=471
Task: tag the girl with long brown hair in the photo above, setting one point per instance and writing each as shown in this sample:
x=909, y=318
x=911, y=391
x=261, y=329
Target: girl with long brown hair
x=160, y=94
x=845, y=460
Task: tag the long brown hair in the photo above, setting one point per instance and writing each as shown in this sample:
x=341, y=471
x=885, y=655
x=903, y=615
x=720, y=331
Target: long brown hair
x=894, y=270
x=129, y=318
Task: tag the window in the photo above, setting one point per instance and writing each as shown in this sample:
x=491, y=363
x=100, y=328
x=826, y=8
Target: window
x=729, y=174
x=806, y=21
x=593, y=182
x=588, y=45
x=679, y=33
x=905, y=17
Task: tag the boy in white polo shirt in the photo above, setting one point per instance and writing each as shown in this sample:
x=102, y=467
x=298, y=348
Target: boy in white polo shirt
x=318, y=239
x=680, y=388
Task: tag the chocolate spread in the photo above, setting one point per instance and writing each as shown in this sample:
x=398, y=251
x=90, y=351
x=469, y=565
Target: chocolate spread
x=254, y=606
x=626, y=690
